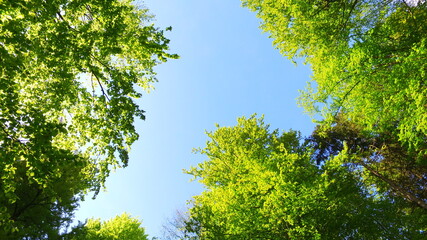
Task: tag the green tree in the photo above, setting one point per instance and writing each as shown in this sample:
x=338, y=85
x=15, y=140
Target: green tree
x=70, y=71
x=386, y=164
x=263, y=184
x=369, y=66
x=117, y=228
x=39, y=212
x=368, y=60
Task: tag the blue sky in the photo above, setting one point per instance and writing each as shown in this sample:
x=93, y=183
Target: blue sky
x=228, y=69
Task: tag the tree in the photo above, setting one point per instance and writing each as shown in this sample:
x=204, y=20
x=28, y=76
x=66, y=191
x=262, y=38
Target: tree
x=263, y=184
x=369, y=63
x=386, y=164
x=117, y=228
x=368, y=60
x=180, y=226
x=70, y=71
x=39, y=212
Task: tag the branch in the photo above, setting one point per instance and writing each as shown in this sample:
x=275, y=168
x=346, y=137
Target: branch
x=102, y=88
x=102, y=63
x=411, y=197
x=349, y=14
x=17, y=213
x=65, y=21
x=93, y=88
x=13, y=138
x=409, y=9
x=345, y=96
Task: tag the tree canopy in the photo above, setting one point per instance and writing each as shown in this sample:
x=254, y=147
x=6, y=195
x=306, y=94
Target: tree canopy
x=362, y=173
x=264, y=184
x=368, y=60
x=120, y=227
x=385, y=162
x=70, y=71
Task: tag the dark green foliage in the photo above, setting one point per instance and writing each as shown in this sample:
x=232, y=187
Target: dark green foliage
x=387, y=164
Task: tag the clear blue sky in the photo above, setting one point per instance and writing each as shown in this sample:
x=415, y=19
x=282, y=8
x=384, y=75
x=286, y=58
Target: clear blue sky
x=228, y=69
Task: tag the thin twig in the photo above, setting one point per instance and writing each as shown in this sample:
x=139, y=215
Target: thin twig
x=102, y=88
x=93, y=88
x=62, y=19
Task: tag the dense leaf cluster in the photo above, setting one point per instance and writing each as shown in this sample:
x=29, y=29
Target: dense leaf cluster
x=368, y=59
x=70, y=71
x=368, y=87
x=118, y=228
x=263, y=184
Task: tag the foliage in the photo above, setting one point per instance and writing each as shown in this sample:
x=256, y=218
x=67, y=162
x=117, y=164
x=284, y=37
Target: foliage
x=386, y=164
x=70, y=71
x=368, y=60
x=369, y=67
x=301, y=28
x=263, y=184
x=117, y=228
x=37, y=212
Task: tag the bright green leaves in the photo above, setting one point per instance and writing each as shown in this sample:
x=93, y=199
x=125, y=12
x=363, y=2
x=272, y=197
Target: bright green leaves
x=392, y=73
x=69, y=75
x=368, y=60
x=300, y=28
x=104, y=41
x=263, y=184
x=117, y=228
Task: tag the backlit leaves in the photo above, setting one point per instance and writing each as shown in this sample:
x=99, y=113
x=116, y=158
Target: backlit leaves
x=262, y=184
x=70, y=73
